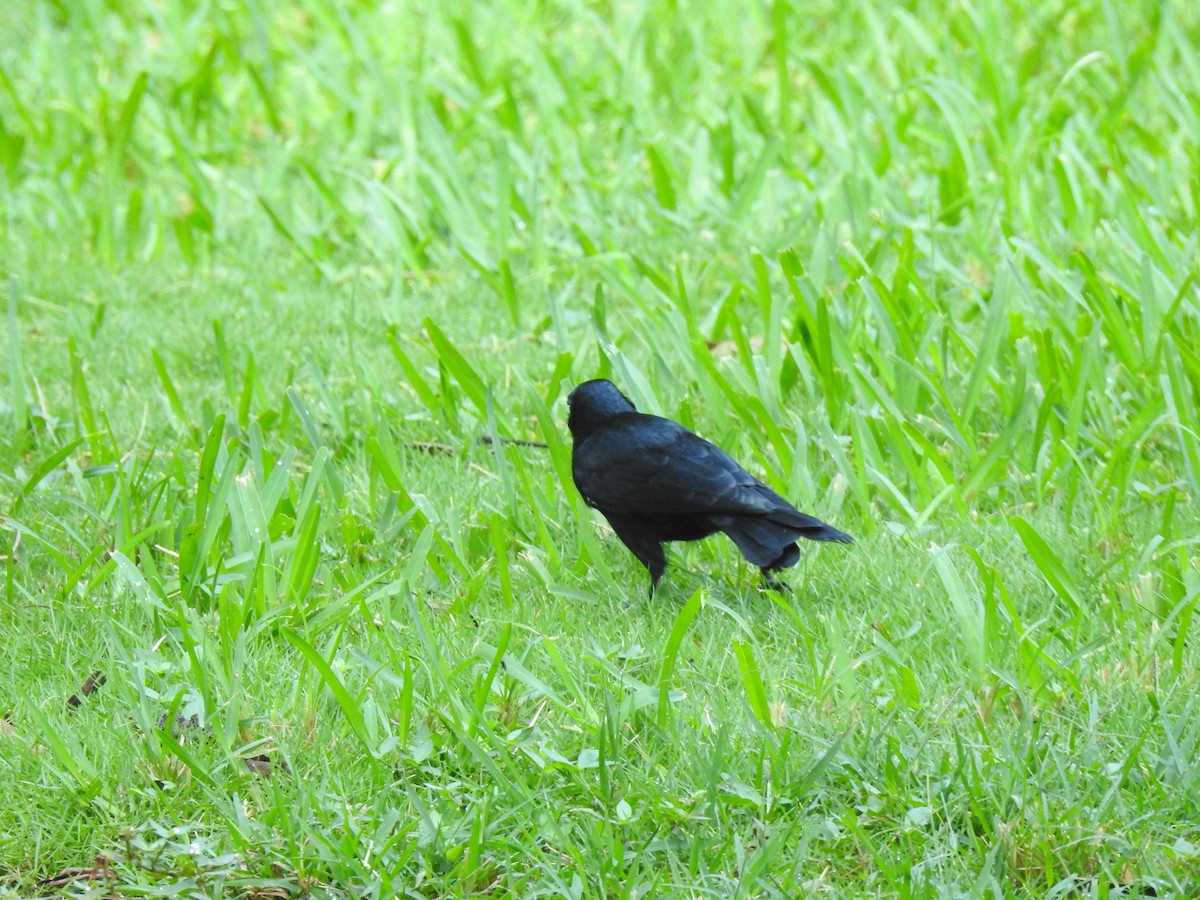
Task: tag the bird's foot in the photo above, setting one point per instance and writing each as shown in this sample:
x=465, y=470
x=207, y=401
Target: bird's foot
x=771, y=583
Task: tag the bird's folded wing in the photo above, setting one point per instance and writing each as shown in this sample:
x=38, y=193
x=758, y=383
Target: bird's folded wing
x=667, y=472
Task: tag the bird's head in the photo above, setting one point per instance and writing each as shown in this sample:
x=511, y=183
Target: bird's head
x=591, y=403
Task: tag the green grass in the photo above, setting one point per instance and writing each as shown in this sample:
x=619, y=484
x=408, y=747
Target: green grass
x=928, y=268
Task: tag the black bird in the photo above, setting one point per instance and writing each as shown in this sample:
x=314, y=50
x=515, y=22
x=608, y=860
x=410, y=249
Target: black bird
x=655, y=481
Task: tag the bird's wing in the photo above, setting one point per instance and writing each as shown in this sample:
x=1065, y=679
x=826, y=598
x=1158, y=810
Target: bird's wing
x=647, y=466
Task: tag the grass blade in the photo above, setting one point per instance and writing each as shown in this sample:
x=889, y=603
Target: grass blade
x=1048, y=564
x=683, y=621
x=329, y=678
x=752, y=682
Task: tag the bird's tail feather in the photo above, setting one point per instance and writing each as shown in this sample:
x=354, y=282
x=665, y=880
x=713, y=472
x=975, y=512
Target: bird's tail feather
x=777, y=510
x=771, y=544
x=808, y=527
x=764, y=543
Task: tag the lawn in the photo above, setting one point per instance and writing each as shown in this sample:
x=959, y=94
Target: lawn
x=298, y=598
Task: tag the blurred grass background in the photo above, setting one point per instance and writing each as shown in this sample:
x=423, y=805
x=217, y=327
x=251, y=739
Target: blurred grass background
x=928, y=268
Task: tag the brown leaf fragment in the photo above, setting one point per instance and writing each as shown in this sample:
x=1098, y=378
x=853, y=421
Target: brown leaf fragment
x=97, y=871
x=261, y=765
x=90, y=684
x=429, y=447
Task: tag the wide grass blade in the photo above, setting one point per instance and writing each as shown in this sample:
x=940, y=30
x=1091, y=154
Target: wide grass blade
x=456, y=364
x=345, y=700
x=48, y=465
x=670, y=658
x=968, y=612
x=1049, y=564
x=752, y=684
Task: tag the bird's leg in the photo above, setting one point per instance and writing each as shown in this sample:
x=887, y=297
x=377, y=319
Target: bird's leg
x=656, y=562
x=656, y=573
x=648, y=551
x=788, y=556
x=774, y=584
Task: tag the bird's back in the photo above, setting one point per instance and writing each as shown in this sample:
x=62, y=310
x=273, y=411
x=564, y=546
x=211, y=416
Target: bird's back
x=638, y=464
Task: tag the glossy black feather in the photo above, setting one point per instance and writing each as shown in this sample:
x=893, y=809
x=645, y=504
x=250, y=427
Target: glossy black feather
x=655, y=482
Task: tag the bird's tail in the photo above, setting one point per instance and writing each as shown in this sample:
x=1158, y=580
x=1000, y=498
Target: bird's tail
x=777, y=511
x=771, y=544
x=808, y=527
